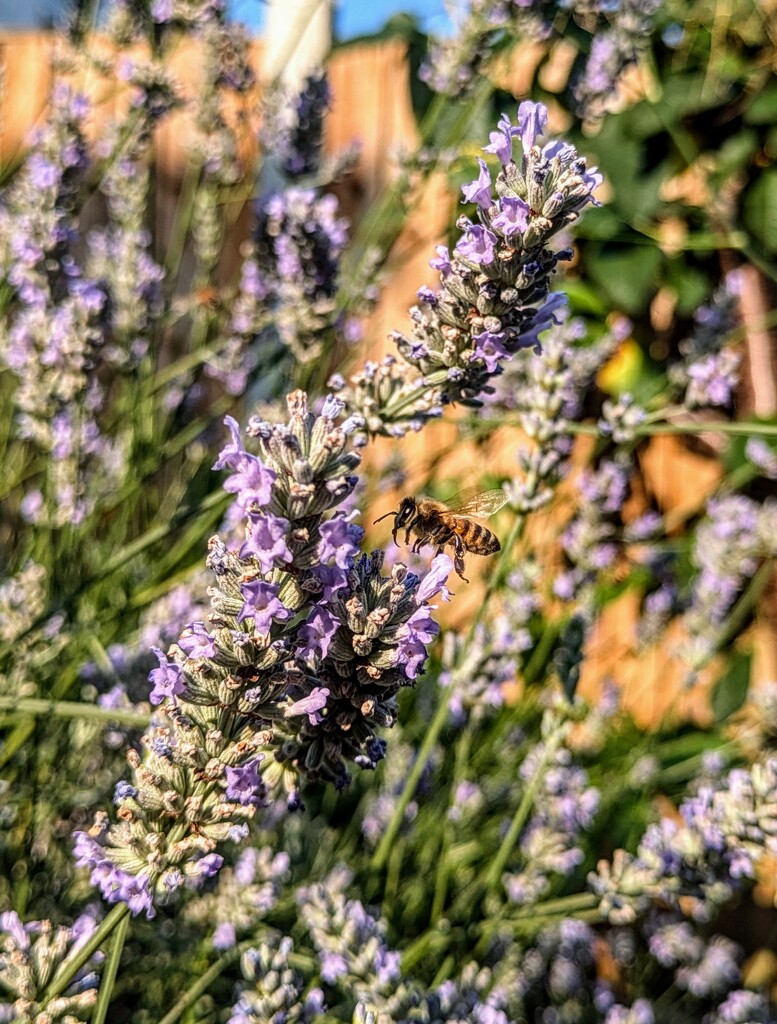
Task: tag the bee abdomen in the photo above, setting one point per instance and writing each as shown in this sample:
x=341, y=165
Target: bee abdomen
x=479, y=540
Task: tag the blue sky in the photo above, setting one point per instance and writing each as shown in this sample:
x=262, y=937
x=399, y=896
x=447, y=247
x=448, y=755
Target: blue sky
x=359, y=17
x=352, y=17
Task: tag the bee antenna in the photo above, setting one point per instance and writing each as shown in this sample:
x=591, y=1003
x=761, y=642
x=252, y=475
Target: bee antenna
x=384, y=517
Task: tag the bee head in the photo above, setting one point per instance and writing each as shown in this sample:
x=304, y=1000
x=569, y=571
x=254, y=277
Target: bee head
x=402, y=516
x=406, y=511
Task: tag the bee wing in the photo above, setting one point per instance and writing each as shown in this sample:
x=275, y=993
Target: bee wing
x=481, y=504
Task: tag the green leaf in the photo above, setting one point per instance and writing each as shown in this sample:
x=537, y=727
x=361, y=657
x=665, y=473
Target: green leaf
x=763, y=108
x=735, y=154
x=760, y=210
x=730, y=691
x=690, y=283
x=628, y=275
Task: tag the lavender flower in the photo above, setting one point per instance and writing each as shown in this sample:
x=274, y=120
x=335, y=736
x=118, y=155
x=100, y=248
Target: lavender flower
x=762, y=457
x=589, y=539
x=281, y=683
x=293, y=127
x=56, y=325
x=545, y=388
x=245, y=895
x=618, y=33
x=493, y=300
x=695, y=867
x=618, y=40
x=729, y=545
x=741, y=1007
x=32, y=953
x=352, y=950
x=274, y=990
x=564, y=808
x=558, y=972
x=712, y=380
x=492, y=658
x=708, y=373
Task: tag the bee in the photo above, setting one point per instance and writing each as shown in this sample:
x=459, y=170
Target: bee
x=434, y=522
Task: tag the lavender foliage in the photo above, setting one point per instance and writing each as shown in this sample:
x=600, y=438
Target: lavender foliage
x=494, y=296
x=614, y=36
x=291, y=676
x=519, y=852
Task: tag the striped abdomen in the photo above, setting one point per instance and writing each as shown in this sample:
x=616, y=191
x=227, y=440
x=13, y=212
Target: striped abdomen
x=474, y=537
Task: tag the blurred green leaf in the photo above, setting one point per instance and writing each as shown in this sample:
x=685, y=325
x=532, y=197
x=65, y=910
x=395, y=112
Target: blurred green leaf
x=628, y=275
x=763, y=108
x=730, y=691
x=760, y=210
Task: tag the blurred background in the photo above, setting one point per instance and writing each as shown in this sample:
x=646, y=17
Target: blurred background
x=349, y=19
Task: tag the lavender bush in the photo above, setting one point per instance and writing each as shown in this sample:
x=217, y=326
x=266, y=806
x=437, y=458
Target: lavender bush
x=261, y=762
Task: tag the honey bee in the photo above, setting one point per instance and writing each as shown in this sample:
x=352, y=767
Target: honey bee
x=434, y=522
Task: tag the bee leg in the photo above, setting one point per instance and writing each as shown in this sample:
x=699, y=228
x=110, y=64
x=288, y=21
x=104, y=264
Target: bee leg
x=458, y=557
x=409, y=529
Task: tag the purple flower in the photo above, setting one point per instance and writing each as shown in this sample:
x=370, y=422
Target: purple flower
x=490, y=349
x=168, y=679
x=262, y=604
x=332, y=579
x=333, y=966
x=513, y=216
x=442, y=261
x=117, y=886
x=208, y=866
x=252, y=481
x=501, y=144
x=11, y=922
x=43, y=173
x=87, y=851
x=244, y=784
x=712, y=380
x=224, y=936
x=479, y=191
x=162, y=11
x=132, y=890
x=340, y=540
x=316, y=635
x=478, y=245
x=196, y=642
x=434, y=581
x=311, y=705
x=123, y=791
x=267, y=540
x=532, y=118
x=116, y=697
x=413, y=636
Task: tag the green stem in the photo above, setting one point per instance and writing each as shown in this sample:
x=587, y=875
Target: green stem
x=688, y=768
x=542, y=649
x=744, y=606
x=463, y=746
x=73, y=709
x=110, y=971
x=72, y=966
x=738, y=428
x=193, y=993
x=436, y=725
x=130, y=551
x=381, y=854
x=552, y=744
x=561, y=906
